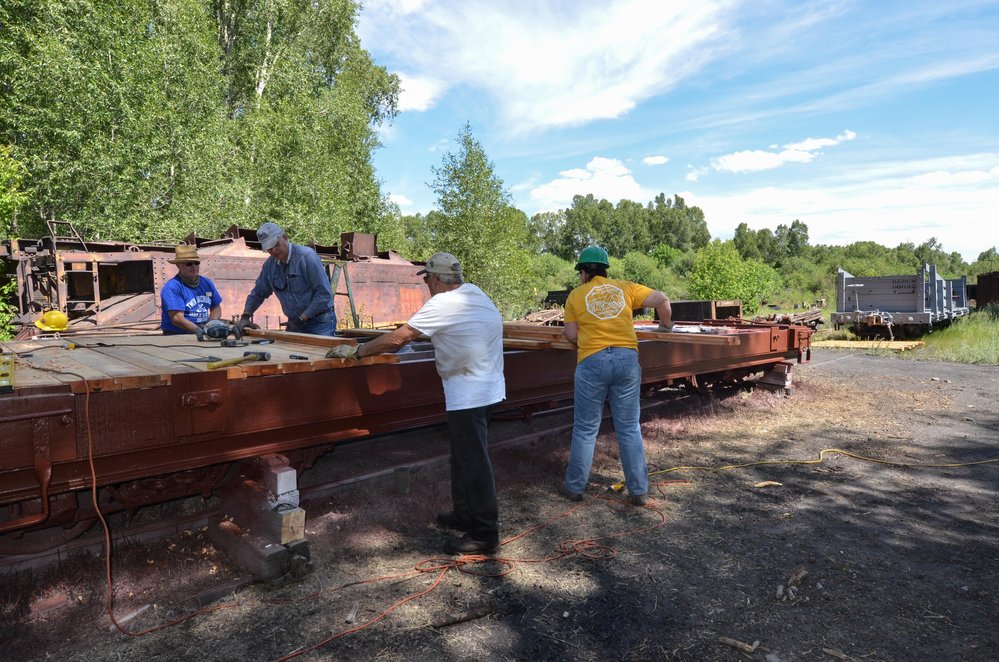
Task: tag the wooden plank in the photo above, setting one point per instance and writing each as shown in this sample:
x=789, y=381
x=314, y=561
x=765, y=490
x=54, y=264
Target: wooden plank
x=299, y=338
x=145, y=360
x=514, y=330
x=374, y=333
x=259, y=368
x=549, y=341
x=108, y=365
x=897, y=345
x=691, y=338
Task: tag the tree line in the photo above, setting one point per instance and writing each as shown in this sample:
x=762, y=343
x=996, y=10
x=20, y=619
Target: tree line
x=149, y=120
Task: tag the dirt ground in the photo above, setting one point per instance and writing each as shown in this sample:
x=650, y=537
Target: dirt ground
x=845, y=559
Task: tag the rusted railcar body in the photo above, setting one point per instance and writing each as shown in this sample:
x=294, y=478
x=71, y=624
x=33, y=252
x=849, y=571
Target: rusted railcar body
x=159, y=426
x=113, y=286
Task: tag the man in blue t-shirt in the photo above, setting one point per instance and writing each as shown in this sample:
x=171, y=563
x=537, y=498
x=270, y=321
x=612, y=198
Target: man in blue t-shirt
x=188, y=300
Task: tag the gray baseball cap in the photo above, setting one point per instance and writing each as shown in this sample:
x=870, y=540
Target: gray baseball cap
x=441, y=263
x=268, y=235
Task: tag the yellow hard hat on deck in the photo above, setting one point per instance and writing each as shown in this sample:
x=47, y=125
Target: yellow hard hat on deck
x=52, y=320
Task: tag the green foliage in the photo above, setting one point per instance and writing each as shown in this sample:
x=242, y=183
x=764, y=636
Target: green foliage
x=666, y=256
x=11, y=197
x=7, y=309
x=987, y=262
x=144, y=121
x=971, y=339
x=720, y=273
x=673, y=223
x=551, y=273
x=628, y=227
x=640, y=268
x=475, y=221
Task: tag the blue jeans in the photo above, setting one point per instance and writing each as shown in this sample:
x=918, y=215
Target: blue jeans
x=320, y=325
x=612, y=374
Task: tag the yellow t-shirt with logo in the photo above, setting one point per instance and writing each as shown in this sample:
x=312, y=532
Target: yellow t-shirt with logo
x=603, y=309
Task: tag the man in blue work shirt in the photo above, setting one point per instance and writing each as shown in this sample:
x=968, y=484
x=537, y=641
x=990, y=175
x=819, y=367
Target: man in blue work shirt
x=188, y=300
x=295, y=274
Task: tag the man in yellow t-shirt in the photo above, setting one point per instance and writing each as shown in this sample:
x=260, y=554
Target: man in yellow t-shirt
x=598, y=318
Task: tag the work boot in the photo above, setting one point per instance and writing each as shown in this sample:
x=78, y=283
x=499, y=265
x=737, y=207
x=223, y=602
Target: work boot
x=637, y=499
x=568, y=494
x=451, y=521
x=469, y=545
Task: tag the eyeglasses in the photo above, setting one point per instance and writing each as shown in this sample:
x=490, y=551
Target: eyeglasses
x=191, y=264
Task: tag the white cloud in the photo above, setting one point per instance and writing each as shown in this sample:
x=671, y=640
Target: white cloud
x=605, y=178
x=655, y=160
x=694, y=174
x=815, y=144
x=756, y=160
x=400, y=200
x=883, y=203
x=419, y=93
x=439, y=145
x=550, y=64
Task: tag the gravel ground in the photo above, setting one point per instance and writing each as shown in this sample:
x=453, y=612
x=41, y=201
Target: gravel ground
x=844, y=559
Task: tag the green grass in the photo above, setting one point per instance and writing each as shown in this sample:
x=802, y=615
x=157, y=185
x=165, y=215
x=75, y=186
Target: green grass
x=971, y=339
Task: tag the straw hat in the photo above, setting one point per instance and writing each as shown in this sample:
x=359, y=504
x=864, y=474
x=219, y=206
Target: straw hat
x=185, y=253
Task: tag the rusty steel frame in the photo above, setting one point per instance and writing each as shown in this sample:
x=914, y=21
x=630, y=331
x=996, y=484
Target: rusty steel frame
x=120, y=282
x=201, y=419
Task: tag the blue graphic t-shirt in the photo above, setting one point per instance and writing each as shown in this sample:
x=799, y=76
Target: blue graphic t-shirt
x=196, y=302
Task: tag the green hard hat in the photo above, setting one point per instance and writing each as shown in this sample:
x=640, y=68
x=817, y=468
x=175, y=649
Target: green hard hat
x=592, y=255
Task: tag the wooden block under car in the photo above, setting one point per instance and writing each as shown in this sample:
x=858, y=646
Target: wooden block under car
x=250, y=504
x=263, y=558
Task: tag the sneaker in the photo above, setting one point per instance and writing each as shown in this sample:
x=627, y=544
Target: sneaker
x=637, y=499
x=571, y=496
x=451, y=521
x=469, y=545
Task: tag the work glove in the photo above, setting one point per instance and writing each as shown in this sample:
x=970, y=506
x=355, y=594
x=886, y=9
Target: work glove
x=665, y=328
x=343, y=352
x=295, y=325
x=198, y=331
x=245, y=323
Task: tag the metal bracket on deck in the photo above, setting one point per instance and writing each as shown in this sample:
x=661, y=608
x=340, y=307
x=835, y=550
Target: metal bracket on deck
x=197, y=399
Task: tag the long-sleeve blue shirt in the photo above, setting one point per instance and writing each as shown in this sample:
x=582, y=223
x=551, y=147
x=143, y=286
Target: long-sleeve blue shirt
x=301, y=285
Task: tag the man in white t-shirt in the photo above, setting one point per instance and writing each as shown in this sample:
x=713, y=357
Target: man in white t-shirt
x=466, y=330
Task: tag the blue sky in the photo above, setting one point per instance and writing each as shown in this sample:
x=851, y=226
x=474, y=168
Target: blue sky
x=866, y=120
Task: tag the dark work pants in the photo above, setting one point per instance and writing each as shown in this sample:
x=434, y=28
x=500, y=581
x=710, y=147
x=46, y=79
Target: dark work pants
x=473, y=489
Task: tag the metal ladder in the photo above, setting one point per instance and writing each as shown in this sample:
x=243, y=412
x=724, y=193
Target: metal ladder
x=335, y=283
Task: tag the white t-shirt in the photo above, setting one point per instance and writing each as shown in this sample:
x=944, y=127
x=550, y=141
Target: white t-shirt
x=466, y=330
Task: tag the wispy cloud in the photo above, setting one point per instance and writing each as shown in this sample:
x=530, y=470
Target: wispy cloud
x=655, y=160
x=551, y=64
x=755, y=160
x=439, y=146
